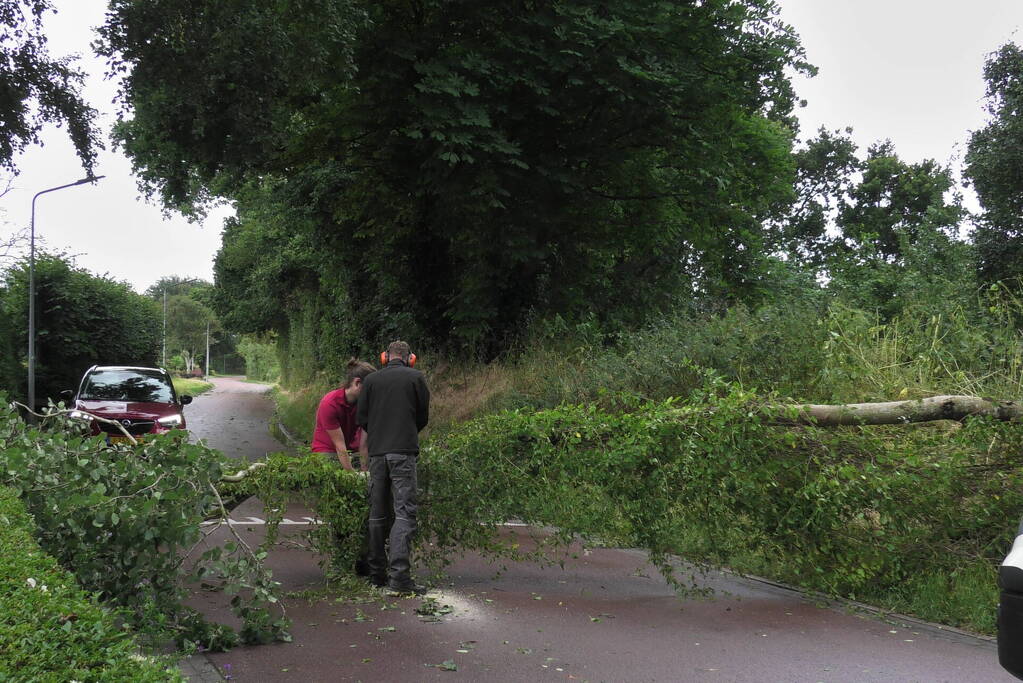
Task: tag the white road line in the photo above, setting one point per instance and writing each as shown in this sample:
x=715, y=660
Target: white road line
x=255, y=521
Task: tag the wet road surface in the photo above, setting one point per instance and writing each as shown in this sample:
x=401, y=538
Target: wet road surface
x=234, y=418
x=607, y=616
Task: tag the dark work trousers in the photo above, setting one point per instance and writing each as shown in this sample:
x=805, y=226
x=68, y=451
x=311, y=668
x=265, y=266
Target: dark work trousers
x=392, y=477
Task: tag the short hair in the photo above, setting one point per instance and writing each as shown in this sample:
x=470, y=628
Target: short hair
x=357, y=369
x=399, y=348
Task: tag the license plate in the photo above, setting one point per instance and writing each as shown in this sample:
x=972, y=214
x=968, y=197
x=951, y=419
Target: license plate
x=123, y=439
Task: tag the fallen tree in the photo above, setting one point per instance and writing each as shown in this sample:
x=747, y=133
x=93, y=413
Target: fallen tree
x=956, y=408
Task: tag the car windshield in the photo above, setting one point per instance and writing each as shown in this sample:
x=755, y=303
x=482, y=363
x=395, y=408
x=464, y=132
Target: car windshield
x=136, y=386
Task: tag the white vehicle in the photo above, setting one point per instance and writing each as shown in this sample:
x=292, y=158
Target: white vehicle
x=1010, y=609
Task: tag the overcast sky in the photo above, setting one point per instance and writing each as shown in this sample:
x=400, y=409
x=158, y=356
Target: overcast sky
x=905, y=70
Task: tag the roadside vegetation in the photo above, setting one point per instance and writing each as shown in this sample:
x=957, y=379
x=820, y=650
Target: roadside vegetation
x=606, y=288
x=50, y=628
x=190, y=386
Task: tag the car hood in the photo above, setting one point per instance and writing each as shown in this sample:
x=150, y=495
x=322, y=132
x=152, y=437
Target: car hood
x=121, y=409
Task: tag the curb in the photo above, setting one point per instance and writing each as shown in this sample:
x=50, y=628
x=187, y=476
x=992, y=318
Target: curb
x=199, y=669
x=834, y=602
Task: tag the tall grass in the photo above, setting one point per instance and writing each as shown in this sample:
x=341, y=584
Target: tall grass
x=803, y=351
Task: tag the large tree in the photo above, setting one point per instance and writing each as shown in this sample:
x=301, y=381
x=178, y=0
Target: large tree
x=994, y=163
x=880, y=231
x=190, y=326
x=36, y=89
x=460, y=167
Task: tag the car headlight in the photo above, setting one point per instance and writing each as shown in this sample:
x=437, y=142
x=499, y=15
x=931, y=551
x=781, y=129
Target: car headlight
x=171, y=421
x=79, y=415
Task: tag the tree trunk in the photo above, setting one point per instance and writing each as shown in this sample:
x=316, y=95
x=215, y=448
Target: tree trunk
x=895, y=412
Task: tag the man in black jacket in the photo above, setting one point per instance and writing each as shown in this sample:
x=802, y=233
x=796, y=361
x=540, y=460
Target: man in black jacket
x=393, y=408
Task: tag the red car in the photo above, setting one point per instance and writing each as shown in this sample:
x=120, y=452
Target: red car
x=142, y=400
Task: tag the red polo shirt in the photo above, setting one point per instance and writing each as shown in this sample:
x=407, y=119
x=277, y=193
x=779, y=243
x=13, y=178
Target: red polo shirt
x=335, y=413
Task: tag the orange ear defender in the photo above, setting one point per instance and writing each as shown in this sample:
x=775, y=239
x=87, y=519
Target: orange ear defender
x=411, y=359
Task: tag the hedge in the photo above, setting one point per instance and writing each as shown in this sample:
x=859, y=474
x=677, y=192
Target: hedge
x=50, y=629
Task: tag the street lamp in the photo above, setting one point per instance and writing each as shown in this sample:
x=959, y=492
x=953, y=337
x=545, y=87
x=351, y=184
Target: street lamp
x=32, y=288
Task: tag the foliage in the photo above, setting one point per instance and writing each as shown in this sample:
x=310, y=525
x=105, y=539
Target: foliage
x=126, y=520
x=895, y=204
x=456, y=167
x=10, y=369
x=882, y=232
x=850, y=511
x=260, y=354
x=994, y=164
x=38, y=89
x=172, y=285
x=50, y=629
x=190, y=325
x=909, y=516
x=337, y=497
x=826, y=166
x=81, y=320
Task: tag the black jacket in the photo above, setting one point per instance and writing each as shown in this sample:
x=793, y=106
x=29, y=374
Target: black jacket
x=393, y=407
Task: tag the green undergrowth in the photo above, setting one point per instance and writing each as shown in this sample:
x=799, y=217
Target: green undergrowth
x=52, y=630
x=127, y=521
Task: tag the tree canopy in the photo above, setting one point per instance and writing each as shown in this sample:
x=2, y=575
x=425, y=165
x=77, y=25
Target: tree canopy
x=451, y=170
x=36, y=89
x=994, y=163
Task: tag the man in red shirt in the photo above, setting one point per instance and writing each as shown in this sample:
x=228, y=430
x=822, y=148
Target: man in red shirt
x=336, y=430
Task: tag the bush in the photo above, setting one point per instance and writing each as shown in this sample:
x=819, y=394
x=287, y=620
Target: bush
x=260, y=354
x=125, y=520
x=49, y=628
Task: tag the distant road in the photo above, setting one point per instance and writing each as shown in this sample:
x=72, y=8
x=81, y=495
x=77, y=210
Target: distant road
x=234, y=418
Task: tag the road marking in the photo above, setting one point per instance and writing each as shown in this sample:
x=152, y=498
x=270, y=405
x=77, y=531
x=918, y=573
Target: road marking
x=254, y=521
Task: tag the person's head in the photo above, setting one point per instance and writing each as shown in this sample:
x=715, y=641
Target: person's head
x=357, y=371
x=398, y=350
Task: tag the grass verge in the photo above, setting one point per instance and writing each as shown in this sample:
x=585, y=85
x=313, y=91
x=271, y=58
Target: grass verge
x=190, y=387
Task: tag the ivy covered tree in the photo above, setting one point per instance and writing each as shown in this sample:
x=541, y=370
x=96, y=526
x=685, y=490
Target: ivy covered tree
x=36, y=89
x=994, y=164
x=454, y=169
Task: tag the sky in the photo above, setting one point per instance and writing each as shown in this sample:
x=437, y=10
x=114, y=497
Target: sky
x=905, y=70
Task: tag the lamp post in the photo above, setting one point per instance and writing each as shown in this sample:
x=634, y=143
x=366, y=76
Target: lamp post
x=32, y=288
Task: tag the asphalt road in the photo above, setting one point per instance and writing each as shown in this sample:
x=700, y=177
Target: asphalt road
x=606, y=616
x=234, y=418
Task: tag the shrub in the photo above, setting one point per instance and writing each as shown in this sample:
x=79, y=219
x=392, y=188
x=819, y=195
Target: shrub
x=126, y=519
x=50, y=629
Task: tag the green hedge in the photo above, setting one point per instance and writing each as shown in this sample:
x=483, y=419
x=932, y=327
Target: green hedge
x=50, y=629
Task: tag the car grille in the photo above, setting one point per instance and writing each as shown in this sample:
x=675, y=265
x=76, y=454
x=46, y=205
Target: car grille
x=134, y=427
